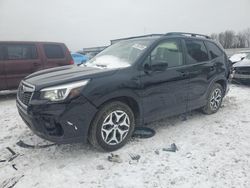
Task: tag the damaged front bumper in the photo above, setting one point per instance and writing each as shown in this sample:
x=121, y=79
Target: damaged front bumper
x=59, y=122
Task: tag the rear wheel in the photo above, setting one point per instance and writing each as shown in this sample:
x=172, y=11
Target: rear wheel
x=214, y=100
x=112, y=126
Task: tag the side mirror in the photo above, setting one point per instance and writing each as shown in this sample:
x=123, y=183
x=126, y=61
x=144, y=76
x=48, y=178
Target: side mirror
x=147, y=67
x=159, y=66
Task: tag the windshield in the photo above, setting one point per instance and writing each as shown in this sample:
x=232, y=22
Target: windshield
x=121, y=54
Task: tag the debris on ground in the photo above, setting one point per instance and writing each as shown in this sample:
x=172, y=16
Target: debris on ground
x=100, y=167
x=114, y=158
x=13, y=154
x=143, y=132
x=173, y=148
x=14, y=166
x=10, y=183
x=2, y=161
x=11, y=151
x=24, y=145
x=157, y=152
x=135, y=157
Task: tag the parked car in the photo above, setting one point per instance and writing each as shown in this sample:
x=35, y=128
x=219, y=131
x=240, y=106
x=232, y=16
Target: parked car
x=239, y=56
x=241, y=71
x=130, y=83
x=19, y=59
x=79, y=58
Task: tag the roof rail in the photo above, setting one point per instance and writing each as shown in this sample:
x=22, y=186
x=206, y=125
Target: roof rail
x=141, y=36
x=188, y=34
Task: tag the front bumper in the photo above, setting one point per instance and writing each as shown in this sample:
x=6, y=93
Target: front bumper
x=241, y=78
x=60, y=123
x=241, y=74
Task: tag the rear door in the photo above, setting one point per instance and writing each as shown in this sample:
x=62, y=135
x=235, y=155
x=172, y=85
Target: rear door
x=3, y=85
x=55, y=55
x=21, y=60
x=200, y=70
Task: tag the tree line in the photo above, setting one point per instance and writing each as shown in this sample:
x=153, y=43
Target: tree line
x=231, y=39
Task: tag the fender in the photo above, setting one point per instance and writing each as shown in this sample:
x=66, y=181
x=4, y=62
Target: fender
x=126, y=93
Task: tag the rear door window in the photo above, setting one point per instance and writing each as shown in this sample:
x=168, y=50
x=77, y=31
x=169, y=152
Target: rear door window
x=53, y=51
x=21, y=52
x=214, y=50
x=196, y=51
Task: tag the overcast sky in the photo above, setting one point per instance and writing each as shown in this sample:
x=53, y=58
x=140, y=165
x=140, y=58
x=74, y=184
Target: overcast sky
x=88, y=23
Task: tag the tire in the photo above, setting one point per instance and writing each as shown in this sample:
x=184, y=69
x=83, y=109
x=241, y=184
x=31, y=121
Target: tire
x=112, y=126
x=214, y=100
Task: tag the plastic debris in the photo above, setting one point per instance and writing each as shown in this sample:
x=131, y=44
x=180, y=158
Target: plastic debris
x=114, y=158
x=173, y=148
x=24, y=145
x=135, y=157
x=157, y=152
x=14, y=166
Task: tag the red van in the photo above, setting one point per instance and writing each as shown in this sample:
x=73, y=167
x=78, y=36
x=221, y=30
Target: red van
x=19, y=59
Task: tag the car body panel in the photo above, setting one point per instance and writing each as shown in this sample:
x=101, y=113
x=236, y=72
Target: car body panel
x=65, y=74
x=42, y=119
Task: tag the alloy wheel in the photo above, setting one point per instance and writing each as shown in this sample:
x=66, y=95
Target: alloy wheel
x=115, y=127
x=215, y=99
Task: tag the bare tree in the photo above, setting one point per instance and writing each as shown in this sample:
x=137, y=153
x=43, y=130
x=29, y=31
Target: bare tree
x=221, y=38
x=242, y=40
x=215, y=36
x=247, y=35
x=229, y=38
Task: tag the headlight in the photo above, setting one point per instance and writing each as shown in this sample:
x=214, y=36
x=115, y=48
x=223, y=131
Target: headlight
x=61, y=92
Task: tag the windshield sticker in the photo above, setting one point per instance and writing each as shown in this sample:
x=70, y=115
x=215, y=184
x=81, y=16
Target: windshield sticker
x=139, y=46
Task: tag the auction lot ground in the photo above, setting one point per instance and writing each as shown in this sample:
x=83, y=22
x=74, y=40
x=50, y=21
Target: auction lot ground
x=214, y=151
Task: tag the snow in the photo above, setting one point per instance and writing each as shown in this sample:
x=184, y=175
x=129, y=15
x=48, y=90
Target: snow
x=214, y=151
x=108, y=61
x=237, y=57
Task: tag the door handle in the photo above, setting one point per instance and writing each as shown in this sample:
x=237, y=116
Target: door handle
x=212, y=68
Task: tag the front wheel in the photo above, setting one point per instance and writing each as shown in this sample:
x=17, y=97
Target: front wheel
x=214, y=100
x=112, y=126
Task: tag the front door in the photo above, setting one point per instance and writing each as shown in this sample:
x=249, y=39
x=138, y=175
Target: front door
x=22, y=60
x=164, y=81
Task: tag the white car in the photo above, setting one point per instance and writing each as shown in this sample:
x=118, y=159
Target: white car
x=239, y=56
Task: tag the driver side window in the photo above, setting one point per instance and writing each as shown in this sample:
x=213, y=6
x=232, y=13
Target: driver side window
x=168, y=52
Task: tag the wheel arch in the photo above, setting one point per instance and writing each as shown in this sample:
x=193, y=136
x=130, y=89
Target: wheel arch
x=219, y=80
x=132, y=102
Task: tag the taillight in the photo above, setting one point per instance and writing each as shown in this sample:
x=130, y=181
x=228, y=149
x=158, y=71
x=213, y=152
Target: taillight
x=71, y=62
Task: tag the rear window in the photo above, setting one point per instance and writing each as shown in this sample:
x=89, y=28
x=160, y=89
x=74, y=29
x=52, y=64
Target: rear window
x=21, y=52
x=214, y=50
x=196, y=51
x=53, y=51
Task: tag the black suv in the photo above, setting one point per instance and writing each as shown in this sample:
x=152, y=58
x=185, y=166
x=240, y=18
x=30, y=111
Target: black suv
x=130, y=83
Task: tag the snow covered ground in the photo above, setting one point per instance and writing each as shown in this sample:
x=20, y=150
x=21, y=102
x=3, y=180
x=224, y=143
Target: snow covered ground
x=214, y=151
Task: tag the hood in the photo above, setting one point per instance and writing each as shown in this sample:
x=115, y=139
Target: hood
x=243, y=63
x=65, y=74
